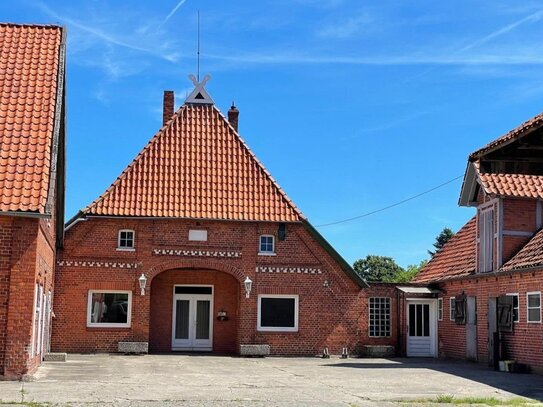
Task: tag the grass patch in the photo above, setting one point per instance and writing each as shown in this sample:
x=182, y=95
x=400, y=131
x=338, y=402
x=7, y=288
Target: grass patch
x=482, y=401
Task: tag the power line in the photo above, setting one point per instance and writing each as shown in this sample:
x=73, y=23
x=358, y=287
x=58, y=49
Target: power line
x=390, y=206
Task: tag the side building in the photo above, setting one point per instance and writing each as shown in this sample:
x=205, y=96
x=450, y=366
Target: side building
x=490, y=274
x=32, y=151
x=195, y=247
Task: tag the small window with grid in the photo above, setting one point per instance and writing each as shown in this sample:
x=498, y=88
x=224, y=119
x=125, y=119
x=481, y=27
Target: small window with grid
x=379, y=316
x=267, y=244
x=126, y=240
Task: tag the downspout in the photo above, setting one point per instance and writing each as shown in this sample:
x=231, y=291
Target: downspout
x=399, y=322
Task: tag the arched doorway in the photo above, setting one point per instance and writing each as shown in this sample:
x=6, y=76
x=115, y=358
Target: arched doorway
x=194, y=310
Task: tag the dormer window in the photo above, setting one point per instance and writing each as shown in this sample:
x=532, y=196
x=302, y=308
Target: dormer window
x=267, y=245
x=486, y=239
x=126, y=240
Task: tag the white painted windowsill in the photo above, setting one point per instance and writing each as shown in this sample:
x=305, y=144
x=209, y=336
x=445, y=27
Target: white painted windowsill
x=126, y=249
x=267, y=254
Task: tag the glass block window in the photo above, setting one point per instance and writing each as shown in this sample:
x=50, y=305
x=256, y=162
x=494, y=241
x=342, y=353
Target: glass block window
x=379, y=308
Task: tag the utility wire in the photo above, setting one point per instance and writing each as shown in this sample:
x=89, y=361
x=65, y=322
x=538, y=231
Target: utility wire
x=390, y=206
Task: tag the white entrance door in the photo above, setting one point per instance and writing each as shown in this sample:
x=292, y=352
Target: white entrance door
x=421, y=328
x=192, y=327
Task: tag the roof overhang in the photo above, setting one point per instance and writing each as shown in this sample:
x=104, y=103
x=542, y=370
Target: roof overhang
x=468, y=193
x=346, y=267
x=26, y=214
x=418, y=290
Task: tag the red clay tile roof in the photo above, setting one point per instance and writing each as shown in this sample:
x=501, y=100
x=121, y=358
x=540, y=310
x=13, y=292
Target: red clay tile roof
x=513, y=185
x=526, y=127
x=196, y=166
x=29, y=67
x=531, y=255
x=455, y=259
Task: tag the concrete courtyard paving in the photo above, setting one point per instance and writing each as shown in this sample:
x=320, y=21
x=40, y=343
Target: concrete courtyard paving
x=191, y=380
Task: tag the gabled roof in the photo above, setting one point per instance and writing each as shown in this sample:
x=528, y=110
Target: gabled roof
x=196, y=166
x=455, y=259
x=527, y=127
x=531, y=255
x=31, y=63
x=513, y=185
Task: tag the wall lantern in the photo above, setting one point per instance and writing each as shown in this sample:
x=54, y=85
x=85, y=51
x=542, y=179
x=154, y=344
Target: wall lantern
x=222, y=315
x=248, y=286
x=143, y=282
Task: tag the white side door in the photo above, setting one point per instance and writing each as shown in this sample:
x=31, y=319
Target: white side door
x=421, y=328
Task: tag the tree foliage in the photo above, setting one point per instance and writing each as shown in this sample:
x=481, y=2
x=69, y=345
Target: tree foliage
x=384, y=269
x=443, y=237
x=377, y=268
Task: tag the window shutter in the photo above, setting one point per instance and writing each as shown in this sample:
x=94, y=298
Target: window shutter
x=505, y=313
x=460, y=309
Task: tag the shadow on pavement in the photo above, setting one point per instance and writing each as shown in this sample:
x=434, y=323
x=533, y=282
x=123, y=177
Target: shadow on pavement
x=524, y=385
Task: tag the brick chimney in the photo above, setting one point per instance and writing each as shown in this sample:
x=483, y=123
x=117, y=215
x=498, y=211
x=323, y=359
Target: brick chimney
x=233, y=116
x=167, y=111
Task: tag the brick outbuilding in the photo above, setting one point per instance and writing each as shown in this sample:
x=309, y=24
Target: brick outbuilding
x=32, y=135
x=490, y=274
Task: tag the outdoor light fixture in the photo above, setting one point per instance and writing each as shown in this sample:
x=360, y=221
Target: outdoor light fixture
x=248, y=286
x=143, y=282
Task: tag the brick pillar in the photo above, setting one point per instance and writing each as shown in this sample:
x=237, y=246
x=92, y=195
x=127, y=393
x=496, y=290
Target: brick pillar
x=21, y=297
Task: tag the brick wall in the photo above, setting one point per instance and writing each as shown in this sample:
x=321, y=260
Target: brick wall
x=334, y=315
x=523, y=344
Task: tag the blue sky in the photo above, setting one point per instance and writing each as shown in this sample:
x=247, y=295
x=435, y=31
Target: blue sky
x=351, y=105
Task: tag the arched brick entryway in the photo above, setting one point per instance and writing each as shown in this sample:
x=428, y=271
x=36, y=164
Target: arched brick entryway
x=225, y=298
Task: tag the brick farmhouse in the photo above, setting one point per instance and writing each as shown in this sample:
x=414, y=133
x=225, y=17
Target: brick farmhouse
x=195, y=247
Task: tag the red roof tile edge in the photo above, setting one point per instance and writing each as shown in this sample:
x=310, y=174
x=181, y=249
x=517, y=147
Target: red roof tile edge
x=532, y=124
x=438, y=268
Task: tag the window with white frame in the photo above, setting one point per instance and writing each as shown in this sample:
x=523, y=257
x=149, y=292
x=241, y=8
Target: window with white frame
x=486, y=239
x=126, y=240
x=533, y=306
x=109, y=309
x=440, y=309
x=516, y=308
x=379, y=309
x=277, y=313
x=452, y=305
x=266, y=244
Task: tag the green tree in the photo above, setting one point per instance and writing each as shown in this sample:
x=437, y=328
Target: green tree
x=441, y=239
x=377, y=268
x=405, y=276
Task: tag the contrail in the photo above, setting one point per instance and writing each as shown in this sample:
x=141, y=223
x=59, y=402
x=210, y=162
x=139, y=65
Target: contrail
x=532, y=17
x=172, y=12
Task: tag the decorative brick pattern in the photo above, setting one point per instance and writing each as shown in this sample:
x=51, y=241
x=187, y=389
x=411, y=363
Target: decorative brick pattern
x=197, y=253
x=98, y=264
x=291, y=270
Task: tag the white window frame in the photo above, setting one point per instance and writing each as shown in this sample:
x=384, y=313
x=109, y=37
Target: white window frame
x=261, y=328
x=106, y=324
x=486, y=248
x=389, y=316
x=528, y=308
x=267, y=253
x=452, y=316
x=126, y=249
x=440, y=309
x=515, y=308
